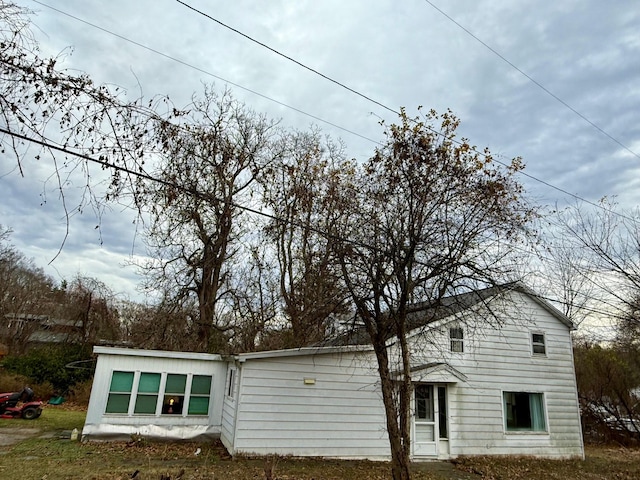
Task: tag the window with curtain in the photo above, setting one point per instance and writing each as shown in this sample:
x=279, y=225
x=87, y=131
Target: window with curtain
x=147, y=397
x=119, y=392
x=200, y=391
x=524, y=411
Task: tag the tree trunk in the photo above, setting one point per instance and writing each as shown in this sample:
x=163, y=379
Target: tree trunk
x=399, y=450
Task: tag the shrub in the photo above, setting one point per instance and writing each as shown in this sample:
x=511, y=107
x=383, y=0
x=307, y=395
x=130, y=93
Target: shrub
x=49, y=365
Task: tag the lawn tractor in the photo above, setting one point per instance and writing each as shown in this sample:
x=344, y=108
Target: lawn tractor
x=20, y=405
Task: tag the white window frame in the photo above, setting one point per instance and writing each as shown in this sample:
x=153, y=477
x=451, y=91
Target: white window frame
x=531, y=431
x=161, y=394
x=535, y=344
x=230, y=386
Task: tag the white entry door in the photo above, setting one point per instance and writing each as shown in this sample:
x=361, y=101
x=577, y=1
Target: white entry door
x=425, y=427
x=430, y=421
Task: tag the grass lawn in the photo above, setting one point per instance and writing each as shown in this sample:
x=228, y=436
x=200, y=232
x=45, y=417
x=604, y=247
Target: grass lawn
x=49, y=455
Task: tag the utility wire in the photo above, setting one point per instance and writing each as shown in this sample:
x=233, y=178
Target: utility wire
x=182, y=62
x=300, y=64
x=457, y=142
x=194, y=192
x=208, y=73
x=533, y=80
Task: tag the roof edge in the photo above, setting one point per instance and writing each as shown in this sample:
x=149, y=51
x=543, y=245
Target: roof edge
x=100, y=350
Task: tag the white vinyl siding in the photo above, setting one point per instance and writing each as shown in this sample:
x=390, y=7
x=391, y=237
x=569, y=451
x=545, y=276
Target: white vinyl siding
x=499, y=359
x=107, y=418
x=340, y=414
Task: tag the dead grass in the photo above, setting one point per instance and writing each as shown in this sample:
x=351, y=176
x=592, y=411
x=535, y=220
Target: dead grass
x=602, y=462
x=46, y=455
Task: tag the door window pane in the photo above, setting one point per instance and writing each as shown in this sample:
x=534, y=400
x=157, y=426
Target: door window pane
x=442, y=411
x=424, y=402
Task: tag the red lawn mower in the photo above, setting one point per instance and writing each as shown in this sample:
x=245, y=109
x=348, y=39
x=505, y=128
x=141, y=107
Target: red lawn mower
x=28, y=408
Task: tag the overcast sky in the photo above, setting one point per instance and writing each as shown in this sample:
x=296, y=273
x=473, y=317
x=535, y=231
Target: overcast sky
x=533, y=82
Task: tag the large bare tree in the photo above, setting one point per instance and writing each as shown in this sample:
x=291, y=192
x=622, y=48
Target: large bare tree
x=301, y=192
x=207, y=163
x=427, y=216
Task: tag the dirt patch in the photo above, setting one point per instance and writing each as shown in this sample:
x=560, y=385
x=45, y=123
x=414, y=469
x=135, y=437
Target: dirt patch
x=11, y=436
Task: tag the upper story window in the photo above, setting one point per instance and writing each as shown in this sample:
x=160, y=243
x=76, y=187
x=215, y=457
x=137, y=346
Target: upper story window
x=456, y=339
x=538, y=344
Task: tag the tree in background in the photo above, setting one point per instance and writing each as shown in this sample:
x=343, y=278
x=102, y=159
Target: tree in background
x=609, y=390
x=605, y=261
x=91, y=306
x=301, y=192
x=207, y=169
x=427, y=216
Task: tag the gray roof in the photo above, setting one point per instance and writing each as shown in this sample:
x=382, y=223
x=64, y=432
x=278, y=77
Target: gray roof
x=423, y=314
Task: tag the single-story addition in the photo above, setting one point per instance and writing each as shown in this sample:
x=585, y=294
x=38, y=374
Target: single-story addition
x=479, y=389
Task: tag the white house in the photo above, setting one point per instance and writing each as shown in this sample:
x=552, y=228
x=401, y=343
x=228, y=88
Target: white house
x=481, y=387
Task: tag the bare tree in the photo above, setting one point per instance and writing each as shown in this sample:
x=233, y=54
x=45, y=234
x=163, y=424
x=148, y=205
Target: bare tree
x=25, y=295
x=207, y=168
x=606, y=248
x=427, y=217
x=90, y=307
x=301, y=192
x=63, y=110
x=161, y=326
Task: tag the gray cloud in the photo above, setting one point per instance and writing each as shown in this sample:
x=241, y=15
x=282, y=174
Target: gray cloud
x=399, y=53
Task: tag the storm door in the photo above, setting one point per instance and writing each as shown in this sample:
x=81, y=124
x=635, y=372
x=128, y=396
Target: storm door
x=429, y=420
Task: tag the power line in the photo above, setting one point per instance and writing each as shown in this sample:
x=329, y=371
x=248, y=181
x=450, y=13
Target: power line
x=532, y=80
x=182, y=62
x=208, y=73
x=457, y=142
x=300, y=64
x=194, y=192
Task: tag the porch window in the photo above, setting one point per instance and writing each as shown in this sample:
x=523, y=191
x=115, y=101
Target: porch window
x=119, y=392
x=200, y=391
x=147, y=397
x=159, y=393
x=174, y=394
x=524, y=411
x=456, y=339
x=538, y=344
